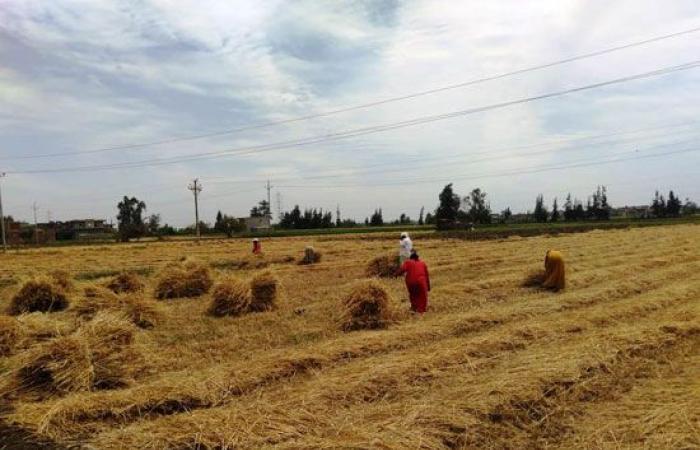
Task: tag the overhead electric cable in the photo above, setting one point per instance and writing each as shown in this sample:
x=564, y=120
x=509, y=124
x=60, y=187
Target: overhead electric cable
x=363, y=105
x=360, y=131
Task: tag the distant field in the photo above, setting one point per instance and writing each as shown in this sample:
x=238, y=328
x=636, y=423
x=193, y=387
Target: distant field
x=611, y=362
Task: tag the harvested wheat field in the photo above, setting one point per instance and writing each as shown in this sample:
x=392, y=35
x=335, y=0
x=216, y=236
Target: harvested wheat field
x=611, y=361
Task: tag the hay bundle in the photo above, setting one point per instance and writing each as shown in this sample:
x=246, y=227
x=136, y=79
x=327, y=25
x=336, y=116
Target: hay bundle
x=40, y=326
x=231, y=297
x=263, y=289
x=191, y=280
x=41, y=294
x=384, y=266
x=125, y=282
x=10, y=334
x=62, y=279
x=366, y=307
x=142, y=312
x=99, y=355
x=311, y=256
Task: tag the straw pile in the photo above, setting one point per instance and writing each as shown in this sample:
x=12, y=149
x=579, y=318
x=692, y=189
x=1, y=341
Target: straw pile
x=125, y=282
x=366, y=307
x=40, y=294
x=311, y=256
x=190, y=280
x=230, y=297
x=9, y=335
x=384, y=266
x=99, y=355
x=263, y=288
x=62, y=279
x=142, y=312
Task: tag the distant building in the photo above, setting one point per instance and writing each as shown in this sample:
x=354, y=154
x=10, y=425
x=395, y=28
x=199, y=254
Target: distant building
x=261, y=223
x=21, y=233
x=85, y=229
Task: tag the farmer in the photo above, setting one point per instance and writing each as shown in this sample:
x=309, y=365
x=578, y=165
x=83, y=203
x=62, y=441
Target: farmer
x=417, y=282
x=405, y=247
x=257, y=247
x=554, y=276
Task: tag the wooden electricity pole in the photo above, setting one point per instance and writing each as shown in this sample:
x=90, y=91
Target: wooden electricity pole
x=196, y=188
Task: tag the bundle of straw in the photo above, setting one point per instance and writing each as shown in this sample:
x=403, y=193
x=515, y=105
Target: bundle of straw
x=384, y=266
x=191, y=280
x=125, y=282
x=365, y=307
x=39, y=294
x=230, y=297
x=263, y=289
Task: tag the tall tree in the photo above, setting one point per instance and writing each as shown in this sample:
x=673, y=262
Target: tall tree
x=447, y=211
x=420, y=217
x=506, y=215
x=568, y=208
x=673, y=205
x=377, y=219
x=555, y=211
x=658, y=205
x=153, y=225
x=540, y=212
x=130, y=218
x=261, y=210
x=478, y=208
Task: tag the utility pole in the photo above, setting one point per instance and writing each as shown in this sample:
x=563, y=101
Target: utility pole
x=279, y=205
x=269, y=204
x=36, y=225
x=196, y=188
x=2, y=216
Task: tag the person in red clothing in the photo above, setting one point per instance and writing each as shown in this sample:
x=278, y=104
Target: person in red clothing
x=257, y=248
x=417, y=282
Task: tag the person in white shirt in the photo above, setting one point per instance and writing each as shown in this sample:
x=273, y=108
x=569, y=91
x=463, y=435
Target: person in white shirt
x=405, y=247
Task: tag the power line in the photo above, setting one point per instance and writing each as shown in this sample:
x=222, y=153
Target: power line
x=365, y=105
x=362, y=131
x=531, y=170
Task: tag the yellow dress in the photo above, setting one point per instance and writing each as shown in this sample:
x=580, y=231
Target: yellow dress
x=554, y=277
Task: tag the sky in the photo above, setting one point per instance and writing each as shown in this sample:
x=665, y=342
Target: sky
x=215, y=87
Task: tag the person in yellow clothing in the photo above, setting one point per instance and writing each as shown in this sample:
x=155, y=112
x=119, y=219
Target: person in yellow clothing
x=554, y=271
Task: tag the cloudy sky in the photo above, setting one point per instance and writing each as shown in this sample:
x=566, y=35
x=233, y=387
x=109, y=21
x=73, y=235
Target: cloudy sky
x=84, y=83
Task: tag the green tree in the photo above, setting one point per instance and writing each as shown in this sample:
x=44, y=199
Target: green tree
x=376, y=220
x=506, y=215
x=477, y=207
x=673, y=205
x=540, y=212
x=448, y=210
x=555, y=211
x=429, y=219
x=261, y=210
x=420, y=217
x=690, y=208
x=569, y=213
x=658, y=205
x=153, y=225
x=130, y=218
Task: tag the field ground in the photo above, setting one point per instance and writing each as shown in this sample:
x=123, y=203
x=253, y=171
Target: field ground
x=611, y=362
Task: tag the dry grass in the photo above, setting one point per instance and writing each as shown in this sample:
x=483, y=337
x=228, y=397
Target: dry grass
x=384, y=266
x=126, y=282
x=10, y=334
x=311, y=256
x=39, y=294
x=263, y=291
x=143, y=312
x=230, y=297
x=62, y=279
x=608, y=363
x=365, y=307
x=189, y=280
x=98, y=355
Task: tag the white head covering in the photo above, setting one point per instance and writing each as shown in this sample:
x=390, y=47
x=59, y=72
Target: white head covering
x=255, y=239
x=404, y=235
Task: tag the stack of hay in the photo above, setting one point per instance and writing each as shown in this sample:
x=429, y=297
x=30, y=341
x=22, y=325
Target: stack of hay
x=263, y=289
x=190, y=280
x=311, y=256
x=232, y=297
x=125, y=282
x=39, y=294
x=366, y=307
x=142, y=312
x=385, y=266
x=99, y=355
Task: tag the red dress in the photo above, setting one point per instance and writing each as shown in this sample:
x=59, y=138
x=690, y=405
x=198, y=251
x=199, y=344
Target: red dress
x=417, y=283
x=257, y=248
